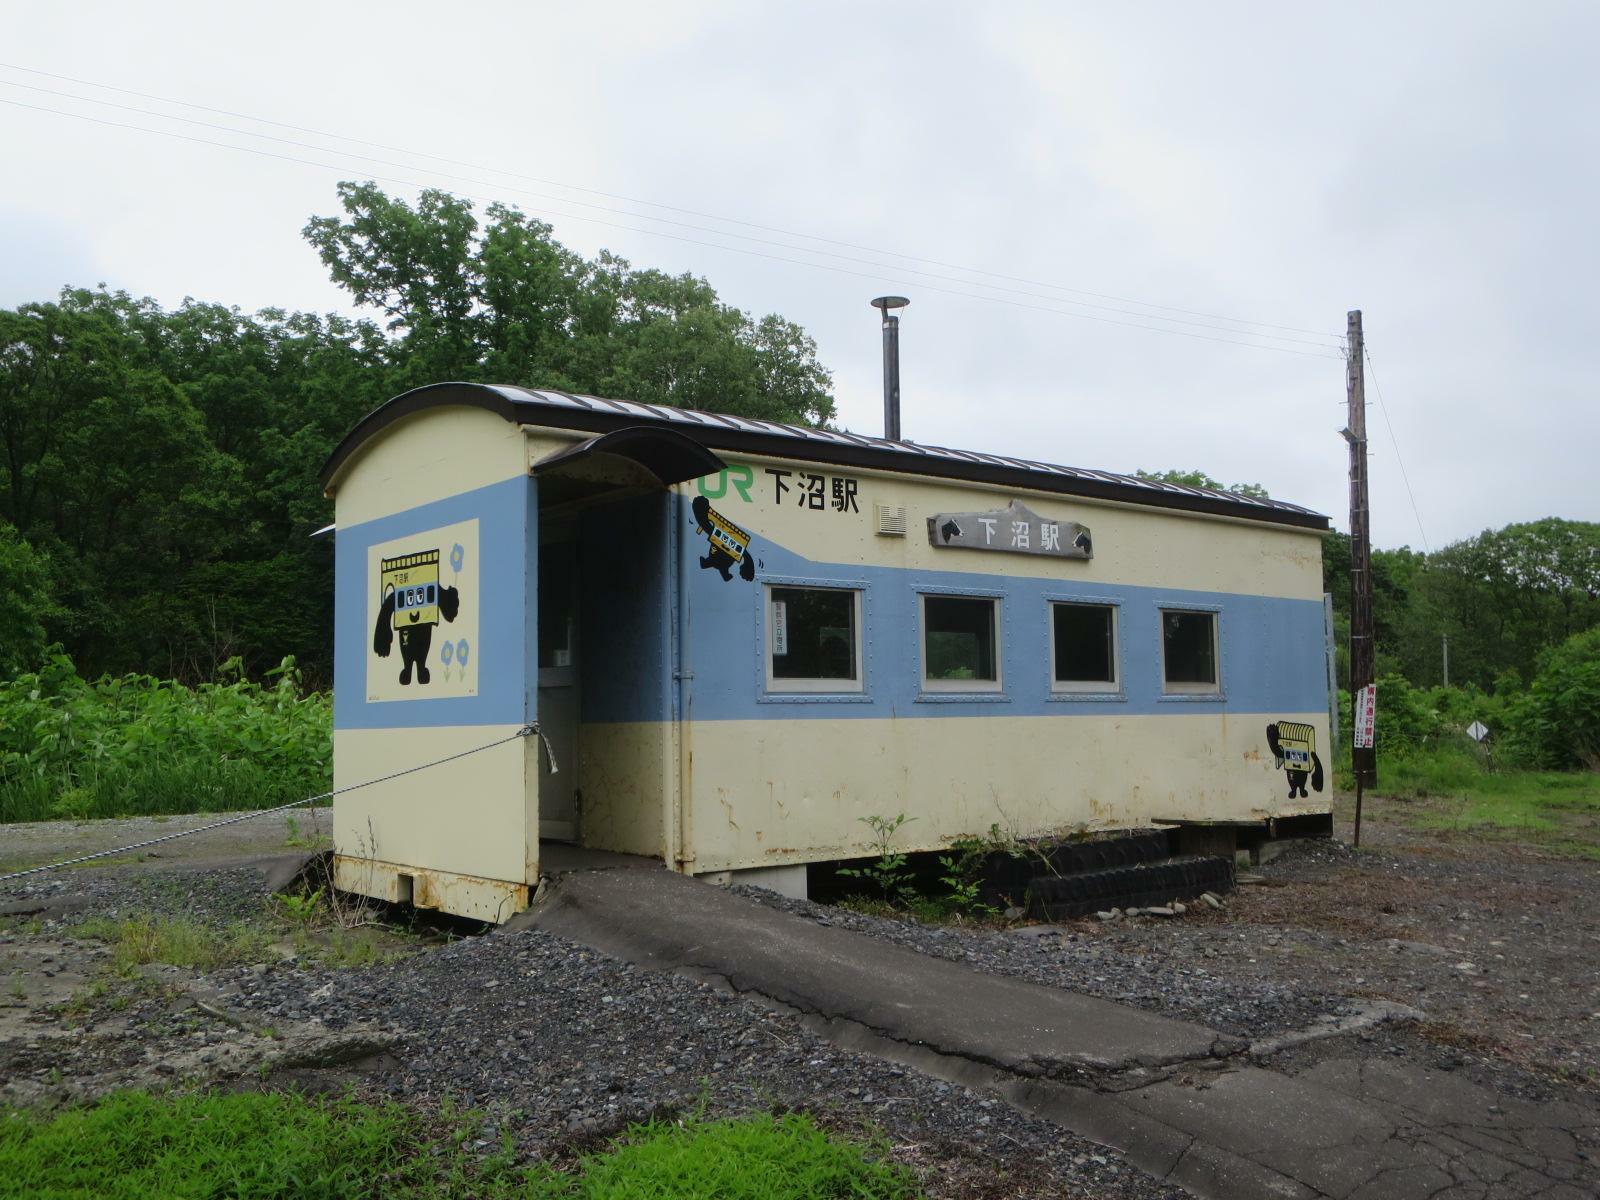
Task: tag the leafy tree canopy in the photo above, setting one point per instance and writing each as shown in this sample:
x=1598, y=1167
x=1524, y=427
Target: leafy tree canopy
x=1557, y=723
x=502, y=301
x=1500, y=598
x=1201, y=480
x=158, y=468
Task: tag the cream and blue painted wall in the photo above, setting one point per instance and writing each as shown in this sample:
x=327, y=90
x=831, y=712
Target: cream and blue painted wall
x=682, y=750
x=460, y=836
x=783, y=778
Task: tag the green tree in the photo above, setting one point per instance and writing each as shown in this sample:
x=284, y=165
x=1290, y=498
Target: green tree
x=1500, y=597
x=507, y=303
x=165, y=465
x=25, y=603
x=158, y=469
x=1200, y=479
x=420, y=266
x=1557, y=722
x=109, y=470
x=1507, y=594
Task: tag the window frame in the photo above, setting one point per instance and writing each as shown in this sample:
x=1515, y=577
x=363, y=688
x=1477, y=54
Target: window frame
x=772, y=685
x=1191, y=691
x=967, y=689
x=1112, y=689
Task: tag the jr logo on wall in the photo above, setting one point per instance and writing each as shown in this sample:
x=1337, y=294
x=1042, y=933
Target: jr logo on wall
x=422, y=608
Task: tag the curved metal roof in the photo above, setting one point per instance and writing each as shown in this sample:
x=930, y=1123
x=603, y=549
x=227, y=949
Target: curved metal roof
x=563, y=410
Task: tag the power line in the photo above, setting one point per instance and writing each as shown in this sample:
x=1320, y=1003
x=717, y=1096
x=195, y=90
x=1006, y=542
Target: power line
x=878, y=277
x=669, y=208
x=1384, y=409
x=664, y=220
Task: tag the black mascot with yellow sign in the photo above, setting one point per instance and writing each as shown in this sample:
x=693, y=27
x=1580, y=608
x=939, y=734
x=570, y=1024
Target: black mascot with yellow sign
x=413, y=602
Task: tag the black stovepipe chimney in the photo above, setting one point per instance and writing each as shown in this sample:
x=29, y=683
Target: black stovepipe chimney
x=891, y=363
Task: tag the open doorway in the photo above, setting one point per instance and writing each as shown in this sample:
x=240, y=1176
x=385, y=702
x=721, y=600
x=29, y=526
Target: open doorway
x=604, y=589
x=558, y=696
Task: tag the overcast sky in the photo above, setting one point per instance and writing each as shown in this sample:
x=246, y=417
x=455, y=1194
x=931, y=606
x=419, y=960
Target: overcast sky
x=1434, y=165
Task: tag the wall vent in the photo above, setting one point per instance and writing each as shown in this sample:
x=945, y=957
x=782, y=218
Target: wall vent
x=891, y=520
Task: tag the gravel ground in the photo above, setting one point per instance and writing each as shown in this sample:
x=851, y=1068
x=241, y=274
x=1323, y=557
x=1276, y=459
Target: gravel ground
x=1115, y=963
x=216, y=897
x=1500, y=945
x=577, y=1045
x=559, y=1045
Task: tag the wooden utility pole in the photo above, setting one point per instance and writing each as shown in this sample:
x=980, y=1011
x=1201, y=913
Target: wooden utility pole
x=1363, y=759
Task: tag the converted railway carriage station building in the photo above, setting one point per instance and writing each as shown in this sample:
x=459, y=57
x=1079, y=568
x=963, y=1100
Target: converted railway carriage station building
x=739, y=639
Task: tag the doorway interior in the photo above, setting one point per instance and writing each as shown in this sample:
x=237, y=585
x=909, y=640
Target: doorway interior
x=558, y=696
x=604, y=641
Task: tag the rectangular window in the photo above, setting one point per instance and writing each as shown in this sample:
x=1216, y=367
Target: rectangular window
x=960, y=644
x=813, y=639
x=1189, y=652
x=1084, y=647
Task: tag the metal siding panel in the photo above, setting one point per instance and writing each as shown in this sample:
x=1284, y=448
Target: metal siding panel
x=776, y=792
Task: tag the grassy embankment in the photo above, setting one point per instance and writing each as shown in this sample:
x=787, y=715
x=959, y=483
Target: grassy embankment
x=72, y=748
x=259, y=1145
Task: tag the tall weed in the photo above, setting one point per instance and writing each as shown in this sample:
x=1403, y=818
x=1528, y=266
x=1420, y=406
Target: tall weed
x=136, y=745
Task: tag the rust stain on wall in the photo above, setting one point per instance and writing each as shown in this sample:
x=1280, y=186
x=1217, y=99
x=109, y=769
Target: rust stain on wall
x=727, y=807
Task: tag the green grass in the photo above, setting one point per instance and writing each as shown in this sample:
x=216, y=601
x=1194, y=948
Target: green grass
x=139, y=940
x=255, y=1146
x=752, y=1158
x=181, y=942
x=1459, y=790
x=249, y=1146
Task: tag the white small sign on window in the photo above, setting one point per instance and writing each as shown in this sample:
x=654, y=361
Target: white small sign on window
x=780, y=628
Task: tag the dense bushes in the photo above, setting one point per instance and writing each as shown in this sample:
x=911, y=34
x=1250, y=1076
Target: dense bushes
x=1556, y=723
x=134, y=745
x=24, y=602
x=1553, y=723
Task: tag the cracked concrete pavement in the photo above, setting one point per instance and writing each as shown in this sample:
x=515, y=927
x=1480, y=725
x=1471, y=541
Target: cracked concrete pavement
x=1182, y=1101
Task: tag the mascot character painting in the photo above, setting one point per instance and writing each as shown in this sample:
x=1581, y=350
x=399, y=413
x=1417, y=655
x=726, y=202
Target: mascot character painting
x=1294, y=749
x=413, y=602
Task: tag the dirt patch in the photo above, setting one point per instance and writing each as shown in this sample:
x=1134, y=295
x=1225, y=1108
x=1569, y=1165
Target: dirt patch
x=32, y=843
x=1499, y=943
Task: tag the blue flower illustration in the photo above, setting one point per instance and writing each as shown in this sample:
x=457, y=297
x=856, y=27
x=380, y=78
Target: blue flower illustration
x=461, y=652
x=458, y=555
x=446, y=651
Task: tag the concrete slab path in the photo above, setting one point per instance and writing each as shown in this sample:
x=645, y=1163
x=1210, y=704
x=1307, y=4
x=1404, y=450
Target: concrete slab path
x=1180, y=1100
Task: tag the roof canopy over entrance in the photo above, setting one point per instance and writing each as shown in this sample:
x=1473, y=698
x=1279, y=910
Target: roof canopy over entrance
x=637, y=454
